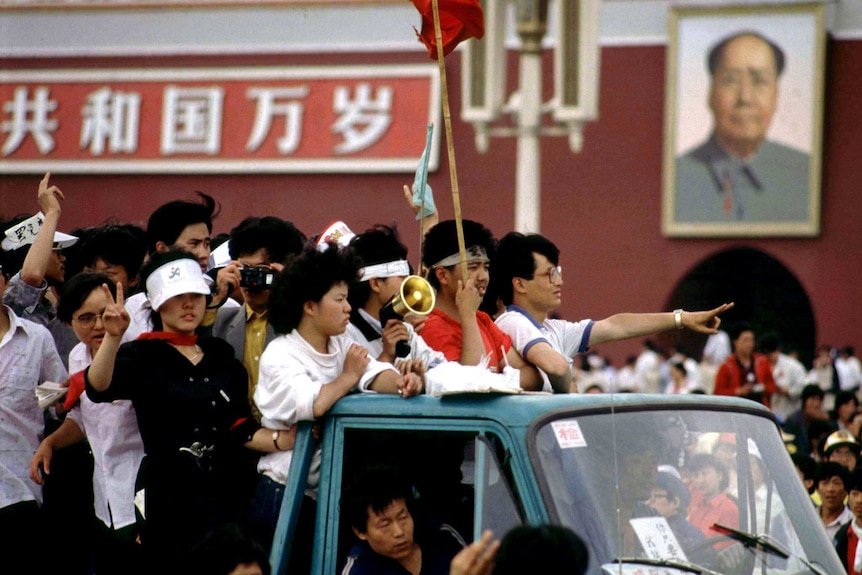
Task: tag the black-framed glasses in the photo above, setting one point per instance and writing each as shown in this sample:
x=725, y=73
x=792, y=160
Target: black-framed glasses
x=87, y=320
x=554, y=274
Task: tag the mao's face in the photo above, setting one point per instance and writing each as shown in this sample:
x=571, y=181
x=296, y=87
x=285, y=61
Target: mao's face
x=744, y=93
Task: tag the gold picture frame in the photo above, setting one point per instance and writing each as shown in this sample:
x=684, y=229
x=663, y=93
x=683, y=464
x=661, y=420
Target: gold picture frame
x=743, y=121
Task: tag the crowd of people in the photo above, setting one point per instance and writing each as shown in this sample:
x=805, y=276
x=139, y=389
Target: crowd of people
x=185, y=373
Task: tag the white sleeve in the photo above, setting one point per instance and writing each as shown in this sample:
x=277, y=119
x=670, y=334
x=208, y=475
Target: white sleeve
x=521, y=330
x=372, y=370
x=286, y=391
x=421, y=351
x=572, y=337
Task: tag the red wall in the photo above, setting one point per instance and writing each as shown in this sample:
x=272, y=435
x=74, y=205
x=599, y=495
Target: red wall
x=602, y=206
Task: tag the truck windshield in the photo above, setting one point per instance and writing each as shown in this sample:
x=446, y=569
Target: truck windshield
x=645, y=486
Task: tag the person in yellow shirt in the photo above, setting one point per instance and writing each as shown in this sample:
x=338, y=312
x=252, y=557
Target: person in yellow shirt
x=259, y=247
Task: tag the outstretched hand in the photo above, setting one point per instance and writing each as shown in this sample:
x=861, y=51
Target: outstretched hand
x=705, y=321
x=476, y=558
x=115, y=318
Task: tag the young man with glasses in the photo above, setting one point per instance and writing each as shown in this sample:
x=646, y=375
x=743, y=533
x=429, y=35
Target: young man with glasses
x=528, y=279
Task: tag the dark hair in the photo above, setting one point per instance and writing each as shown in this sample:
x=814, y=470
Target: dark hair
x=441, y=241
x=279, y=237
x=513, y=258
x=121, y=245
x=738, y=329
x=13, y=260
x=375, y=488
x=700, y=460
x=854, y=480
x=717, y=51
x=76, y=291
x=168, y=221
x=843, y=397
x=558, y=550
x=811, y=390
x=829, y=469
x=156, y=261
x=305, y=278
x=769, y=343
x=807, y=465
x=376, y=245
x=675, y=488
x=222, y=549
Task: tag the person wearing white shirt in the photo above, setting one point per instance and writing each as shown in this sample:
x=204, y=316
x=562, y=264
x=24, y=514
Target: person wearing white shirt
x=28, y=357
x=310, y=366
x=849, y=369
x=789, y=375
x=529, y=280
x=110, y=428
x=385, y=267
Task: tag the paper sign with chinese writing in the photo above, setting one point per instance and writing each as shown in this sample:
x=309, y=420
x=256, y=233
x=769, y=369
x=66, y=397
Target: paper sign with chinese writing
x=568, y=434
x=656, y=538
x=218, y=120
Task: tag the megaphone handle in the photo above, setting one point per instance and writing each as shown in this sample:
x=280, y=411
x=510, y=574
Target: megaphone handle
x=402, y=348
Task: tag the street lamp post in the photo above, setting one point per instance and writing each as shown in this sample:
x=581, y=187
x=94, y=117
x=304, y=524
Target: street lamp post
x=576, y=77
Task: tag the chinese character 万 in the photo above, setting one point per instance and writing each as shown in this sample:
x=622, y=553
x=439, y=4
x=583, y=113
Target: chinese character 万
x=272, y=102
x=111, y=116
x=362, y=121
x=29, y=116
x=191, y=120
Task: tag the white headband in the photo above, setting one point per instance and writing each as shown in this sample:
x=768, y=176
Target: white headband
x=24, y=233
x=385, y=270
x=474, y=253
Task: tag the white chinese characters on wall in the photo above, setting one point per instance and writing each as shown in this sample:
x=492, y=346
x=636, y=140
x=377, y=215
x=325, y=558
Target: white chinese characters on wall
x=191, y=119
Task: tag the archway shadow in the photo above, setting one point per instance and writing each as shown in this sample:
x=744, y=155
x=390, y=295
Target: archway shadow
x=767, y=296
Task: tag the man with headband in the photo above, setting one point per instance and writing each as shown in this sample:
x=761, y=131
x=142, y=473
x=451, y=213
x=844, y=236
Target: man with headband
x=456, y=327
x=385, y=267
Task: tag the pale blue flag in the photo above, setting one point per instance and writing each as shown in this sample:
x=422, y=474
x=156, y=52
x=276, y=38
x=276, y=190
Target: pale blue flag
x=422, y=194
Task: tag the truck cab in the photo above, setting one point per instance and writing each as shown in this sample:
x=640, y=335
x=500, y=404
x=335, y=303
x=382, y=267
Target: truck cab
x=588, y=462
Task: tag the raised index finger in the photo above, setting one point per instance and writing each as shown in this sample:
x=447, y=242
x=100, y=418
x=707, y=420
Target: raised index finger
x=120, y=297
x=107, y=291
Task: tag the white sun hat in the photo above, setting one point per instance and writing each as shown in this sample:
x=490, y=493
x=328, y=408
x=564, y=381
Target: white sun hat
x=174, y=278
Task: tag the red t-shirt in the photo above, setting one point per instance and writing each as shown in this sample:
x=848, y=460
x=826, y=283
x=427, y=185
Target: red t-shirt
x=444, y=334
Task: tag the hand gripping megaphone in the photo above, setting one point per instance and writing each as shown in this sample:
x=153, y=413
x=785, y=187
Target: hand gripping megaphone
x=414, y=296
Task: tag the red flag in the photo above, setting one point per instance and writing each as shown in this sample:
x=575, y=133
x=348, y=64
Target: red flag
x=459, y=20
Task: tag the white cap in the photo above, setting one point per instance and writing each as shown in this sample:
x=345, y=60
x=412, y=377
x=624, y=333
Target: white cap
x=24, y=233
x=63, y=241
x=175, y=278
x=337, y=233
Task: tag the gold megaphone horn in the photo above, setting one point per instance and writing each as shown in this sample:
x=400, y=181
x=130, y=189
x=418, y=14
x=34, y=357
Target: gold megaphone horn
x=415, y=295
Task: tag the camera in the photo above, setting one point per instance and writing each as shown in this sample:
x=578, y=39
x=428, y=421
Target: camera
x=256, y=277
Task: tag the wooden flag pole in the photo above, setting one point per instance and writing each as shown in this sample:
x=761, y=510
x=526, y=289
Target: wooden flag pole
x=450, y=146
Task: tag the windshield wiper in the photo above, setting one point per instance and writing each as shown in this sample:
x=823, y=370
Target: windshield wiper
x=673, y=563
x=763, y=543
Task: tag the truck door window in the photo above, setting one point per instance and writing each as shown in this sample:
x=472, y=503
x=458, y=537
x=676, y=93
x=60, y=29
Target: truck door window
x=496, y=507
x=456, y=477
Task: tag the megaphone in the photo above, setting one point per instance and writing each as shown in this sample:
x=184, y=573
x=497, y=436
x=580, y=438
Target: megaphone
x=415, y=295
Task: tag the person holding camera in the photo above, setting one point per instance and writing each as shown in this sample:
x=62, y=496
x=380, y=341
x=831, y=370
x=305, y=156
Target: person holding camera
x=258, y=246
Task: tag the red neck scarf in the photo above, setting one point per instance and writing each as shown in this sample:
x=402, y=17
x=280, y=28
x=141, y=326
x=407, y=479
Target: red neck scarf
x=172, y=338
